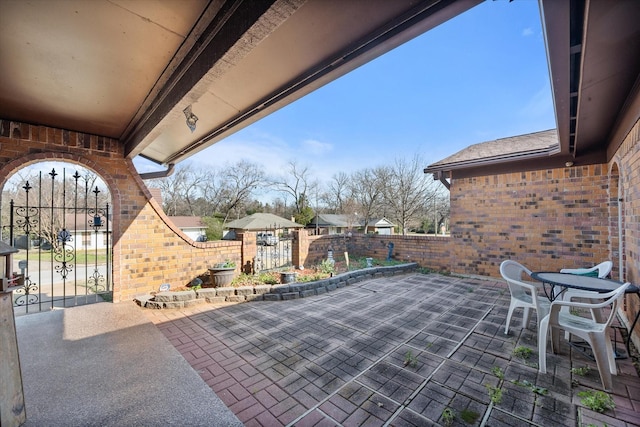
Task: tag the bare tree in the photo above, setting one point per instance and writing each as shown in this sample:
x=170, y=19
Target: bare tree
x=297, y=183
x=366, y=188
x=408, y=191
x=180, y=190
x=210, y=193
x=337, y=194
x=241, y=180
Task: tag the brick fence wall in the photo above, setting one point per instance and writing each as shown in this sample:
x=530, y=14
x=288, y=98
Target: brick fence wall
x=428, y=251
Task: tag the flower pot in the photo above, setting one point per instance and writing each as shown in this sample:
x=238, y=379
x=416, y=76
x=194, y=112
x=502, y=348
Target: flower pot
x=288, y=277
x=221, y=277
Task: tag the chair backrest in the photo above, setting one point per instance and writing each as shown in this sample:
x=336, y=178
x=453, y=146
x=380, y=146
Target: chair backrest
x=601, y=270
x=512, y=272
x=609, y=299
x=604, y=268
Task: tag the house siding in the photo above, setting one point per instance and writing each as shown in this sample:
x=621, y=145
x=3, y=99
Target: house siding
x=546, y=220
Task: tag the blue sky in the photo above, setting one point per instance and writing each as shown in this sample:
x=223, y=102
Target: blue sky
x=481, y=76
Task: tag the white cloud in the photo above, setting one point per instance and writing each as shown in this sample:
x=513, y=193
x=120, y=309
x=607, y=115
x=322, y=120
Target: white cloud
x=527, y=32
x=316, y=147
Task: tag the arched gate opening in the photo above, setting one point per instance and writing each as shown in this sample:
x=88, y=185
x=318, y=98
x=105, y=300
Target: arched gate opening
x=59, y=216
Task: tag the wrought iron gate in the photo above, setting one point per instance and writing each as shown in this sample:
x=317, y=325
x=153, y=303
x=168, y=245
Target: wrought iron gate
x=273, y=249
x=65, y=239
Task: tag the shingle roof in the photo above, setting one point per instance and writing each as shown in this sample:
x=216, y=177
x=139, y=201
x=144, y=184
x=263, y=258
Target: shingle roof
x=83, y=222
x=504, y=149
x=262, y=221
x=335, y=220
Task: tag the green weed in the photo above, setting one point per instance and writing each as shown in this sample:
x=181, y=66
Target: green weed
x=596, y=400
x=447, y=417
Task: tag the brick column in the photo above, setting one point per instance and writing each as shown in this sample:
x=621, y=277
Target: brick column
x=248, y=251
x=300, y=248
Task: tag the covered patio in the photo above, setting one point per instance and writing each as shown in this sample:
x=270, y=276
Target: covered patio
x=404, y=350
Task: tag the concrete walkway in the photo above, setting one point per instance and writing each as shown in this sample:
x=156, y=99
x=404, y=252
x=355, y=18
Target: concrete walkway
x=402, y=351
x=107, y=365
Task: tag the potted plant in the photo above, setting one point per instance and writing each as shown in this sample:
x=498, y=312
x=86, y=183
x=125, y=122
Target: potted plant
x=222, y=274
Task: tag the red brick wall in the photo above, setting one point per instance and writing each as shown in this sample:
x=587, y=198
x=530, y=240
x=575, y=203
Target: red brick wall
x=433, y=252
x=148, y=249
x=546, y=220
x=626, y=163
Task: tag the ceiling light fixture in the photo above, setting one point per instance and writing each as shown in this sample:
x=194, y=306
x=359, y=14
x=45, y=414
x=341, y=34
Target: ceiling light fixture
x=191, y=118
x=568, y=164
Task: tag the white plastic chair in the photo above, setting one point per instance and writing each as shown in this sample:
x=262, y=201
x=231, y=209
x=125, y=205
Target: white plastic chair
x=523, y=294
x=595, y=333
x=603, y=269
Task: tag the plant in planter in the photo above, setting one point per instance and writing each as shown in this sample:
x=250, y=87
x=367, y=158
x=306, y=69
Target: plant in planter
x=222, y=274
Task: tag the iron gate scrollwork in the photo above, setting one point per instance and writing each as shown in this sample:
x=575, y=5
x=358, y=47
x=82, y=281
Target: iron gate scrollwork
x=64, y=231
x=273, y=250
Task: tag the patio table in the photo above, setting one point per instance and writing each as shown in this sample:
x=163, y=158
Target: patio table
x=585, y=283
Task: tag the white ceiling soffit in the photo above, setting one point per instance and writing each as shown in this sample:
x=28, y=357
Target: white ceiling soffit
x=278, y=61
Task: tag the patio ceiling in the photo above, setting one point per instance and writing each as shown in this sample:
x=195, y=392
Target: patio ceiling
x=129, y=69
x=593, y=48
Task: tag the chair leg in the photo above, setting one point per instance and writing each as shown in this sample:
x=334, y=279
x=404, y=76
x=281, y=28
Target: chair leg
x=555, y=340
x=526, y=317
x=542, y=345
x=600, y=350
x=509, y=314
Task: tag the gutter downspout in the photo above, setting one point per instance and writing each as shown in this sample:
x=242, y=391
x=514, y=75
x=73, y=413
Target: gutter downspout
x=159, y=174
x=440, y=176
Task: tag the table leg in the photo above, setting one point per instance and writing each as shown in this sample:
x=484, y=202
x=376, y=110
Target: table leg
x=633, y=325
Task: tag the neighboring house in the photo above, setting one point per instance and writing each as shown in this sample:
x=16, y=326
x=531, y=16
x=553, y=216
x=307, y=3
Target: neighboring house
x=380, y=226
x=82, y=233
x=260, y=222
x=192, y=226
x=339, y=224
x=332, y=223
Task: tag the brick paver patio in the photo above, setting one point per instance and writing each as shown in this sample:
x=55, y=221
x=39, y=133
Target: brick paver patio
x=389, y=351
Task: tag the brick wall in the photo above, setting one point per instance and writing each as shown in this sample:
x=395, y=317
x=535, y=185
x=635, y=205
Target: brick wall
x=546, y=220
x=428, y=251
x=148, y=249
x=626, y=164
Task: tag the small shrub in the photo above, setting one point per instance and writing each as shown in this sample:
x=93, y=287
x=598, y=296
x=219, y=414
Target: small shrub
x=495, y=393
x=311, y=277
x=596, y=400
x=327, y=267
x=410, y=360
x=522, y=352
x=582, y=371
x=226, y=264
x=469, y=416
x=534, y=388
x=268, y=278
x=447, y=417
x=498, y=372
